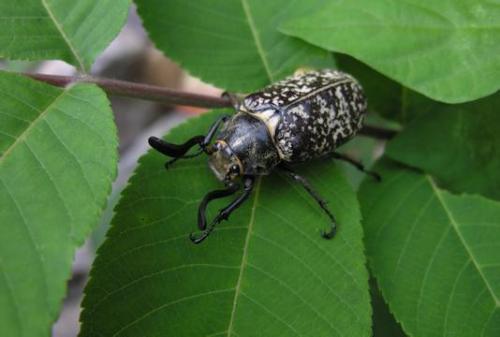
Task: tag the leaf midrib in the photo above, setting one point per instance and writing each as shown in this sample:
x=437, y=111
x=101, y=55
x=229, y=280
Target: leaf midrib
x=256, y=38
x=244, y=263
x=22, y=137
x=63, y=34
x=455, y=226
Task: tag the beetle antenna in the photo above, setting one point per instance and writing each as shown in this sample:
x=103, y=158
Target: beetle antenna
x=178, y=151
x=173, y=160
x=174, y=150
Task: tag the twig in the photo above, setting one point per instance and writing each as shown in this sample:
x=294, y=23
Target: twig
x=138, y=90
x=170, y=96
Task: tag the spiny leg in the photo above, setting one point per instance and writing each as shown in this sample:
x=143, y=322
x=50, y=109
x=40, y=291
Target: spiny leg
x=178, y=151
x=213, y=129
x=321, y=202
x=357, y=164
x=223, y=213
x=213, y=195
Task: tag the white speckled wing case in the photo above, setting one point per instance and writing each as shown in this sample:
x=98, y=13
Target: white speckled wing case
x=309, y=115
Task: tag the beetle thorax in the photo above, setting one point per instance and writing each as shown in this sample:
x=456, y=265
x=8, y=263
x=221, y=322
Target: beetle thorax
x=244, y=141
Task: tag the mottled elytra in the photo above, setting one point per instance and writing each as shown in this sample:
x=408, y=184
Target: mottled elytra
x=300, y=118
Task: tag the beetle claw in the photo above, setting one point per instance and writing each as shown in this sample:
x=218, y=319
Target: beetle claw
x=331, y=233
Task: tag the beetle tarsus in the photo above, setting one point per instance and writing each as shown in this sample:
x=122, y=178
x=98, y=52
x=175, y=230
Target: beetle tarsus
x=321, y=202
x=223, y=213
x=331, y=233
x=357, y=164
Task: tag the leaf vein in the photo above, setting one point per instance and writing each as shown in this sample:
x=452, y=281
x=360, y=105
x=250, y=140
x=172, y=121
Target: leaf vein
x=312, y=272
x=268, y=311
x=166, y=305
x=63, y=34
x=455, y=226
x=293, y=292
x=244, y=257
x=256, y=38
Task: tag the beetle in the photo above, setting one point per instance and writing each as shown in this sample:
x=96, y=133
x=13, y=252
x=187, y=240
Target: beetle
x=298, y=119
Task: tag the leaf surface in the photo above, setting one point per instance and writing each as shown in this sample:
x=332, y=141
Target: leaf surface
x=447, y=50
x=73, y=31
x=384, y=323
x=434, y=254
x=386, y=97
x=57, y=160
x=461, y=147
x=232, y=44
x=264, y=272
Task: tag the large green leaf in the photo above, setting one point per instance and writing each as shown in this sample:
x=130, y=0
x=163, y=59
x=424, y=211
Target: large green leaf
x=434, y=254
x=447, y=49
x=233, y=44
x=265, y=272
x=73, y=31
x=385, y=96
x=384, y=323
x=57, y=161
x=458, y=144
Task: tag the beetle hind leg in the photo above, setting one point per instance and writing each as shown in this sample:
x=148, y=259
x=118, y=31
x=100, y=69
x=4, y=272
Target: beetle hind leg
x=321, y=202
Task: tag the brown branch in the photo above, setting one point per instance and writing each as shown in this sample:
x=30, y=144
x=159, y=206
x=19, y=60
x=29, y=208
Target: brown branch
x=138, y=90
x=170, y=96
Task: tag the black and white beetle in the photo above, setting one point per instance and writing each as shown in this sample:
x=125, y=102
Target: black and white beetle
x=298, y=119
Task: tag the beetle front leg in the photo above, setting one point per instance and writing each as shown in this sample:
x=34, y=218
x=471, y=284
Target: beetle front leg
x=357, y=164
x=321, y=202
x=223, y=213
x=235, y=99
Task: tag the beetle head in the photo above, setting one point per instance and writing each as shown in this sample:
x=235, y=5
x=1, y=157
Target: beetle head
x=224, y=163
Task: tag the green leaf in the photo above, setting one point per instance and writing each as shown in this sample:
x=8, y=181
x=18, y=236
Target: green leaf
x=57, y=160
x=434, y=254
x=386, y=97
x=266, y=271
x=447, y=50
x=384, y=323
x=73, y=31
x=461, y=146
x=232, y=44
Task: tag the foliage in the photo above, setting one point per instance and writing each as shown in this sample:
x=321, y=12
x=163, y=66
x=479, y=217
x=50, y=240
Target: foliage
x=57, y=161
x=432, y=249
x=461, y=146
x=434, y=254
x=233, y=44
x=445, y=49
x=73, y=31
x=272, y=245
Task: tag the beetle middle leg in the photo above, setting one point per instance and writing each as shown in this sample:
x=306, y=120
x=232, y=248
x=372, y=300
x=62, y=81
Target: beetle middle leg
x=321, y=202
x=357, y=164
x=178, y=151
x=224, y=213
